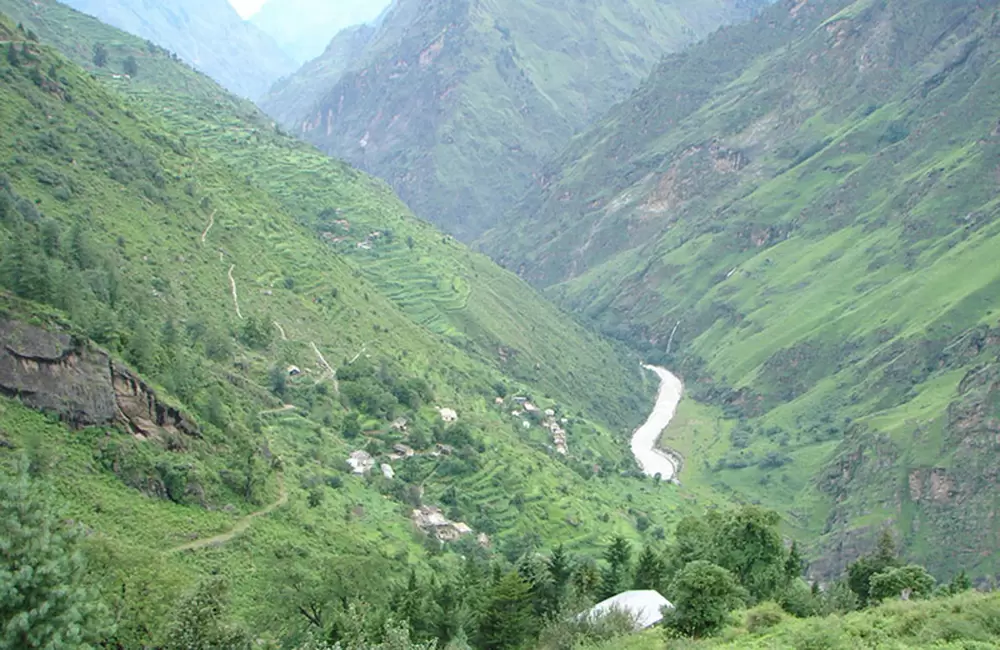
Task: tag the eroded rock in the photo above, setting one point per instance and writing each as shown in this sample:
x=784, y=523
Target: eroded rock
x=82, y=384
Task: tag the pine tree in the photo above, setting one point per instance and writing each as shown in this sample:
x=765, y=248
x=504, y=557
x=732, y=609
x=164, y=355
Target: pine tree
x=794, y=564
x=44, y=603
x=586, y=580
x=506, y=620
x=560, y=568
x=960, y=583
x=616, y=577
x=535, y=572
x=650, y=570
x=100, y=55
x=12, y=57
x=131, y=66
x=860, y=572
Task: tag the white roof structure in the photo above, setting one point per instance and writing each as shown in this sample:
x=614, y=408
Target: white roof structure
x=645, y=605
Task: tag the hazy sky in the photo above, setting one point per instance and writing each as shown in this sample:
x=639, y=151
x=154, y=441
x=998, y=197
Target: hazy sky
x=247, y=8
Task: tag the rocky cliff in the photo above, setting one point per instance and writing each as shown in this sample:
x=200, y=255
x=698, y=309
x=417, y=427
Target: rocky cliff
x=58, y=373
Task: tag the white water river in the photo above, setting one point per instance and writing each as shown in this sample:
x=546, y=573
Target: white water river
x=652, y=460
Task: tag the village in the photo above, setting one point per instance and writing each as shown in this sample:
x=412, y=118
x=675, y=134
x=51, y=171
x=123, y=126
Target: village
x=431, y=519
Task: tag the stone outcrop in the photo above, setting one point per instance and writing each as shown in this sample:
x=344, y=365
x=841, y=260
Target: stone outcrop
x=82, y=384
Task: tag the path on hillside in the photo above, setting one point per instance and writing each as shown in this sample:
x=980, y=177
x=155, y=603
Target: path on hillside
x=232, y=286
x=239, y=527
x=281, y=330
x=329, y=368
x=652, y=459
x=211, y=222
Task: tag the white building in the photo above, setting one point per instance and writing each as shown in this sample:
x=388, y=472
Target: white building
x=645, y=605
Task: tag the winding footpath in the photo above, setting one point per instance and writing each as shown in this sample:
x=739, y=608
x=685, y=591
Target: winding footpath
x=238, y=528
x=651, y=459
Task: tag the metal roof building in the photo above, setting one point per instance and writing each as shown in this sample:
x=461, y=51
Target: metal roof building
x=645, y=605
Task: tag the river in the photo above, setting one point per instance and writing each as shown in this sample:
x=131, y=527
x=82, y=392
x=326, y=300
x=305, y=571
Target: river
x=652, y=460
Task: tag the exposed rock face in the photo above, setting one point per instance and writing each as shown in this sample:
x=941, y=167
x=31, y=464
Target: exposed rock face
x=52, y=372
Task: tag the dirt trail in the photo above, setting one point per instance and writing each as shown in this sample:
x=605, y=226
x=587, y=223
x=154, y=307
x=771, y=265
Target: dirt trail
x=281, y=330
x=211, y=222
x=239, y=528
x=329, y=368
x=284, y=409
x=232, y=286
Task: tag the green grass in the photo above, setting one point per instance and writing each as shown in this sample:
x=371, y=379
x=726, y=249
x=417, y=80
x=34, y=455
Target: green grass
x=136, y=172
x=842, y=276
x=966, y=621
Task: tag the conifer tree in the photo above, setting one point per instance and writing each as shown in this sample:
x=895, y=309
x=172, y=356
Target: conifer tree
x=43, y=602
x=12, y=57
x=100, y=55
x=859, y=573
x=616, y=577
x=560, y=569
x=650, y=570
x=131, y=66
x=506, y=621
x=794, y=564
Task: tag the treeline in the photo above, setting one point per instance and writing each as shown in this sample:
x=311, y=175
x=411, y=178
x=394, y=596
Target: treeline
x=716, y=564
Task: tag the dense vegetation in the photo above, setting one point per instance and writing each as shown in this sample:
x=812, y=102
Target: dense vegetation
x=799, y=215
x=716, y=566
x=456, y=104
x=171, y=224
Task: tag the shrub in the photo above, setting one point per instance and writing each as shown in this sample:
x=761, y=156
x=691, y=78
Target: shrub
x=703, y=594
x=764, y=616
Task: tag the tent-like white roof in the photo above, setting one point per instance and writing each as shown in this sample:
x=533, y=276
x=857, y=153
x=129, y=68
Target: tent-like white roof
x=645, y=605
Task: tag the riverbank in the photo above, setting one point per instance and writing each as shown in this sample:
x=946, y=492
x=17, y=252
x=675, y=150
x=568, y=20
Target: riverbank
x=650, y=458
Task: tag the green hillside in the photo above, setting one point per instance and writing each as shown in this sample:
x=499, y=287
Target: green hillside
x=456, y=103
x=800, y=216
x=208, y=34
x=260, y=332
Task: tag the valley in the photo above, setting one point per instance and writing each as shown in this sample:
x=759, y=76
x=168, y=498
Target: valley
x=490, y=312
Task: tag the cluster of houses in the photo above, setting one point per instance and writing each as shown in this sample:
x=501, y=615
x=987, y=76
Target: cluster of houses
x=549, y=421
x=369, y=242
x=363, y=463
x=431, y=520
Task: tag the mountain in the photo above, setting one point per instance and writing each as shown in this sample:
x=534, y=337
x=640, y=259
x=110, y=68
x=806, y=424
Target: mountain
x=307, y=86
x=203, y=319
x=800, y=215
x=303, y=28
x=456, y=103
x=208, y=34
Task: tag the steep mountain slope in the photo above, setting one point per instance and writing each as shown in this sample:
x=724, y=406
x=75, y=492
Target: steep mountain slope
x=303, y=28
x=457, y=102
x=800, y=215
x=285, y=99
x=208, y=34
x=229, y=271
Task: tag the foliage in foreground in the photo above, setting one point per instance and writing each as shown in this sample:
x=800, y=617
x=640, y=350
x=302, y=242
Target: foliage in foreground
x=968, y=621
